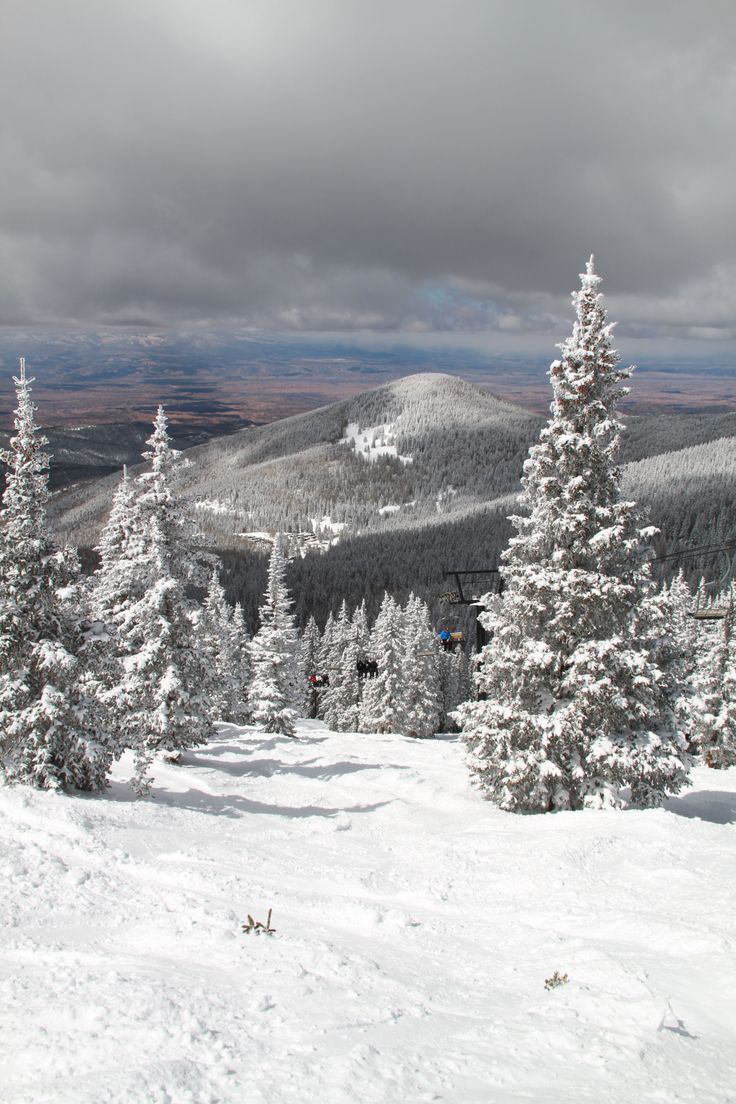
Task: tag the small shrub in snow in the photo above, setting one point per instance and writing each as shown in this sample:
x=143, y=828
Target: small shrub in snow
x=257, y=927
x=556, y=980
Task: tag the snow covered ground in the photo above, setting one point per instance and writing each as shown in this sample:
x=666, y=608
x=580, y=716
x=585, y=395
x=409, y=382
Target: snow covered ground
x=375, y=441
x=415, y=928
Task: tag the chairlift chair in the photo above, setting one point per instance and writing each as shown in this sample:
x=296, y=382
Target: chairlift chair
x=720, y=610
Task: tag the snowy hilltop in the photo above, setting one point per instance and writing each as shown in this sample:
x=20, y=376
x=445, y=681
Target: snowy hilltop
x=418, y=933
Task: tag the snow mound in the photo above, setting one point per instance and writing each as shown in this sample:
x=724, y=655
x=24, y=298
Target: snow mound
x=416, y=927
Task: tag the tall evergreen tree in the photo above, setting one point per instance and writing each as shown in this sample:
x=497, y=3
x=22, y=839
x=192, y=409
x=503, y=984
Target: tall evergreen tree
x=52, y=733
x=242, y=642
x=683, y=650
x=309, y=651
x=342, y=697
x=119, y=581
x=276, y=691
x=328, y=655
x=224, y=644
x=577, y=705
x=149, y=555
x=361, y=630
x=420, y=704
x=382, y=698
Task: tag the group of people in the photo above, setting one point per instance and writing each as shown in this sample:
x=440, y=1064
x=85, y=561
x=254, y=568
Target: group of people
x=366, y=668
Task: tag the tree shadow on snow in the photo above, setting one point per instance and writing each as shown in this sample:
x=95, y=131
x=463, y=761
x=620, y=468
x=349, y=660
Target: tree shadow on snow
x=716, y=806
x=236, y=806
x=261, y=741
x=310, y=768
x=229, y=805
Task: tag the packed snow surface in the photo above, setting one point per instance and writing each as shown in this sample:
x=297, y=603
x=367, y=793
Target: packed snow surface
x=415, y=928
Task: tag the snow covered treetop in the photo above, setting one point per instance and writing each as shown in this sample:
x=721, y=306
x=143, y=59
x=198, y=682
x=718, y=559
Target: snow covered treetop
x=585, y=381
x=590, y=277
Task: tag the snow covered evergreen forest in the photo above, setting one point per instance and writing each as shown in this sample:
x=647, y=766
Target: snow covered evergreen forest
x=173, y=769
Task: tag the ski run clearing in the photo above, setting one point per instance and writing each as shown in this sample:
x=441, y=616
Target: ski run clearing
x=375, y=441
x=416, y=926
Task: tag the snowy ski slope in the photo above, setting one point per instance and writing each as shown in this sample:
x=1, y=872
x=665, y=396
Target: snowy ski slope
x=415, y=928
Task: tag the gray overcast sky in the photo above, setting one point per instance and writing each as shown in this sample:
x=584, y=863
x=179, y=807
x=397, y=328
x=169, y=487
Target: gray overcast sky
x=410, y=165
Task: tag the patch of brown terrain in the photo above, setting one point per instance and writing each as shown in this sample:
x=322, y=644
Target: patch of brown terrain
x=220, y=388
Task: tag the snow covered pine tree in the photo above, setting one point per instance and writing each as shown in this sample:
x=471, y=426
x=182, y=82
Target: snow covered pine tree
x=226, y=646
x=276, y=689
x=578, y=704
x=341, y=701
x=309, y=663
x=420, y=706
x=149, y=553
x=383, y=697
x=50, y=732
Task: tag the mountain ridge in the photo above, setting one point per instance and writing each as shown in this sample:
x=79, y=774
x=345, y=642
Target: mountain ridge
x=425, y=483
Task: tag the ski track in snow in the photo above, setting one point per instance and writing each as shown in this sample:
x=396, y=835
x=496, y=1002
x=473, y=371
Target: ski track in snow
x=415, y=927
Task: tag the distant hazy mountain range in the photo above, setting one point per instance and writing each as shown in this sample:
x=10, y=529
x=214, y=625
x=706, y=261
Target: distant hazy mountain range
x=395, y=486
x=218, y=381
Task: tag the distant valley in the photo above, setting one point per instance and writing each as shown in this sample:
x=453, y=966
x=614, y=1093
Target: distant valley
x=213, y=383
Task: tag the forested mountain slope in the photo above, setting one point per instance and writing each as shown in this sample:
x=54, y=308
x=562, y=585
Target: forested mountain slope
x=460, y=445
x=418, y=476
x=654, y=434
x=689, y=494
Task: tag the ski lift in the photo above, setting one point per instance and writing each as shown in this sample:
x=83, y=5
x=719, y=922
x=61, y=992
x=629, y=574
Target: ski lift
x=472, y=598
x=704, y=608
x=717, y=612
x=710, y=612
x=459, y=597
x=450, y=637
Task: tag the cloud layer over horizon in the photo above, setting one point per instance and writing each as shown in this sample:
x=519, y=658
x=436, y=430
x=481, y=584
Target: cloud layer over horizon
x=415, y=165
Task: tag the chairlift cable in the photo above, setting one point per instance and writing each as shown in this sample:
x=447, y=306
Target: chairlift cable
x=703, y=549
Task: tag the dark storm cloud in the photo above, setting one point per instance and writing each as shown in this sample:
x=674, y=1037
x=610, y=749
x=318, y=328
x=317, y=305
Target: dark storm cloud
x=413, y=164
